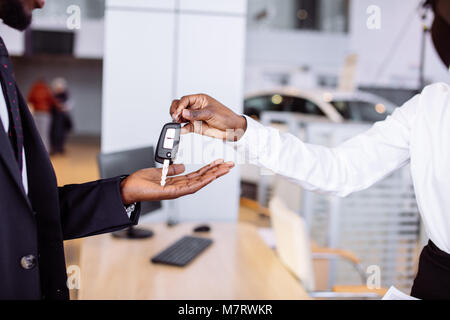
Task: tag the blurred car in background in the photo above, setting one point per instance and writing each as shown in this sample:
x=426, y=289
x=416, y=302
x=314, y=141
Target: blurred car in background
x=336, y=106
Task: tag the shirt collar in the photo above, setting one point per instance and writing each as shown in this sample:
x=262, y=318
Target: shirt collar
x=3, y=50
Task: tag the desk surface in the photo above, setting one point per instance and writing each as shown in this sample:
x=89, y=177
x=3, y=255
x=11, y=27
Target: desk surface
x=238, y=265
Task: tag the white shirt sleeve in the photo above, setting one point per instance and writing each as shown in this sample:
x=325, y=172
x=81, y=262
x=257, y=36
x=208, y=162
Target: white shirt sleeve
x=352, y=166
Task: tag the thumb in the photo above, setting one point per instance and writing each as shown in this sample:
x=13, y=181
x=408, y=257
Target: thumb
x=188, y=128
x=194, y=115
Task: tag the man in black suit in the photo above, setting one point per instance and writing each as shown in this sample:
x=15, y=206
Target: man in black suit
x=35, y=215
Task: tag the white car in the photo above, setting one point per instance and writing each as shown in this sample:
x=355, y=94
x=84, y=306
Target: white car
x=336, y=106
x=309, y=106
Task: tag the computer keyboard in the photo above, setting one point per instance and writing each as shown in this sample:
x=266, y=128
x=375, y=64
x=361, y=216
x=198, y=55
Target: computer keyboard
x=183, y=251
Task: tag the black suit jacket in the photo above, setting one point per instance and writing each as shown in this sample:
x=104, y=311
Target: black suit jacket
x=36, y=224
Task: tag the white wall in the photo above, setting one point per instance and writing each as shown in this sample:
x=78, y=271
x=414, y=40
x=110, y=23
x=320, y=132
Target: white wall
x=88, y=39
x=390, y=56
x=138, y=77
x=324, y=53
x=159, y=50
x=284, y=49
x=14, y=40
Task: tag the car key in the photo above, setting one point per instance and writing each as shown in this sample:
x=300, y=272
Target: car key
x=167, y=148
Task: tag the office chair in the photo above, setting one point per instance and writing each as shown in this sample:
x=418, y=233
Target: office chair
x=297, y=254
x=124, y=163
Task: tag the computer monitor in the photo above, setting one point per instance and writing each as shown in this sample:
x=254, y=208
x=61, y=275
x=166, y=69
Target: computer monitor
x=124, y=163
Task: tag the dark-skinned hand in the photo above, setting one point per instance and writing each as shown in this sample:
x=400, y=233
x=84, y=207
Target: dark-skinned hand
x=144, y=185
x=207, y=116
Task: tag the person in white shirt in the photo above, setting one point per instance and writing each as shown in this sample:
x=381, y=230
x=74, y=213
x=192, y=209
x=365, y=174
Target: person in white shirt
x=417, y=133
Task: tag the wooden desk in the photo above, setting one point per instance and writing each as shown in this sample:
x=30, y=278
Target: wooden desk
x=238, y=265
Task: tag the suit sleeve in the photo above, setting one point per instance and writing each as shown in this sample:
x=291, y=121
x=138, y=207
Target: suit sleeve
x=93, y=208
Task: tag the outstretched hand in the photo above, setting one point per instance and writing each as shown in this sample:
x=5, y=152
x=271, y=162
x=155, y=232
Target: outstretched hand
x=144, y=185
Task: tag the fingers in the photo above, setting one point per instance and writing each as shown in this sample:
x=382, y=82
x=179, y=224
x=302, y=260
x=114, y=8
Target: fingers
x=216, y=171
x=177, y=108
x=144, y=184
x=203, y=170
x=188, y=128
x=195, y=181
x=195, y=101
x=219, y=170
x=197, y=115
x=199, y=172
x=191, y=186
x=201, y=127
x=198, y=127
x=173, y=107
x=195, y=127
x=176, y=169
x=228, y=165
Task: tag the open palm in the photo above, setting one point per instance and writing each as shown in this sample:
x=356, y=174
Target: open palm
x=144, y=185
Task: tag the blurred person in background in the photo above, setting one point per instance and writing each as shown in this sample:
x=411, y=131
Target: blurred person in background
x=42, y=101
x=35, y=215
x=61, y=120
x=440, y=33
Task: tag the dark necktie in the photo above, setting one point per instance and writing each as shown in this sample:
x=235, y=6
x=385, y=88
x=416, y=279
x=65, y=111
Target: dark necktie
x=8, y=82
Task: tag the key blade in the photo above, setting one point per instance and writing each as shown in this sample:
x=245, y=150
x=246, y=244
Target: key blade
x=165, y=170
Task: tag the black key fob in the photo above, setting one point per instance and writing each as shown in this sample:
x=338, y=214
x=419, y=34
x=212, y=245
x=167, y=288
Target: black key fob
x=168, y=142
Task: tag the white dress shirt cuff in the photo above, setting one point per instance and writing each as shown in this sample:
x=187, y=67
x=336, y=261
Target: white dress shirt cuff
x=254, y=142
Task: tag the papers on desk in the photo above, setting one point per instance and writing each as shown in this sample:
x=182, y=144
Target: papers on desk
x=394, y=294
x=268, y=236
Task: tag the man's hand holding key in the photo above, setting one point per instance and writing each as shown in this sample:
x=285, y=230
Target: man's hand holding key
x=207, y=116
x=153, y=184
